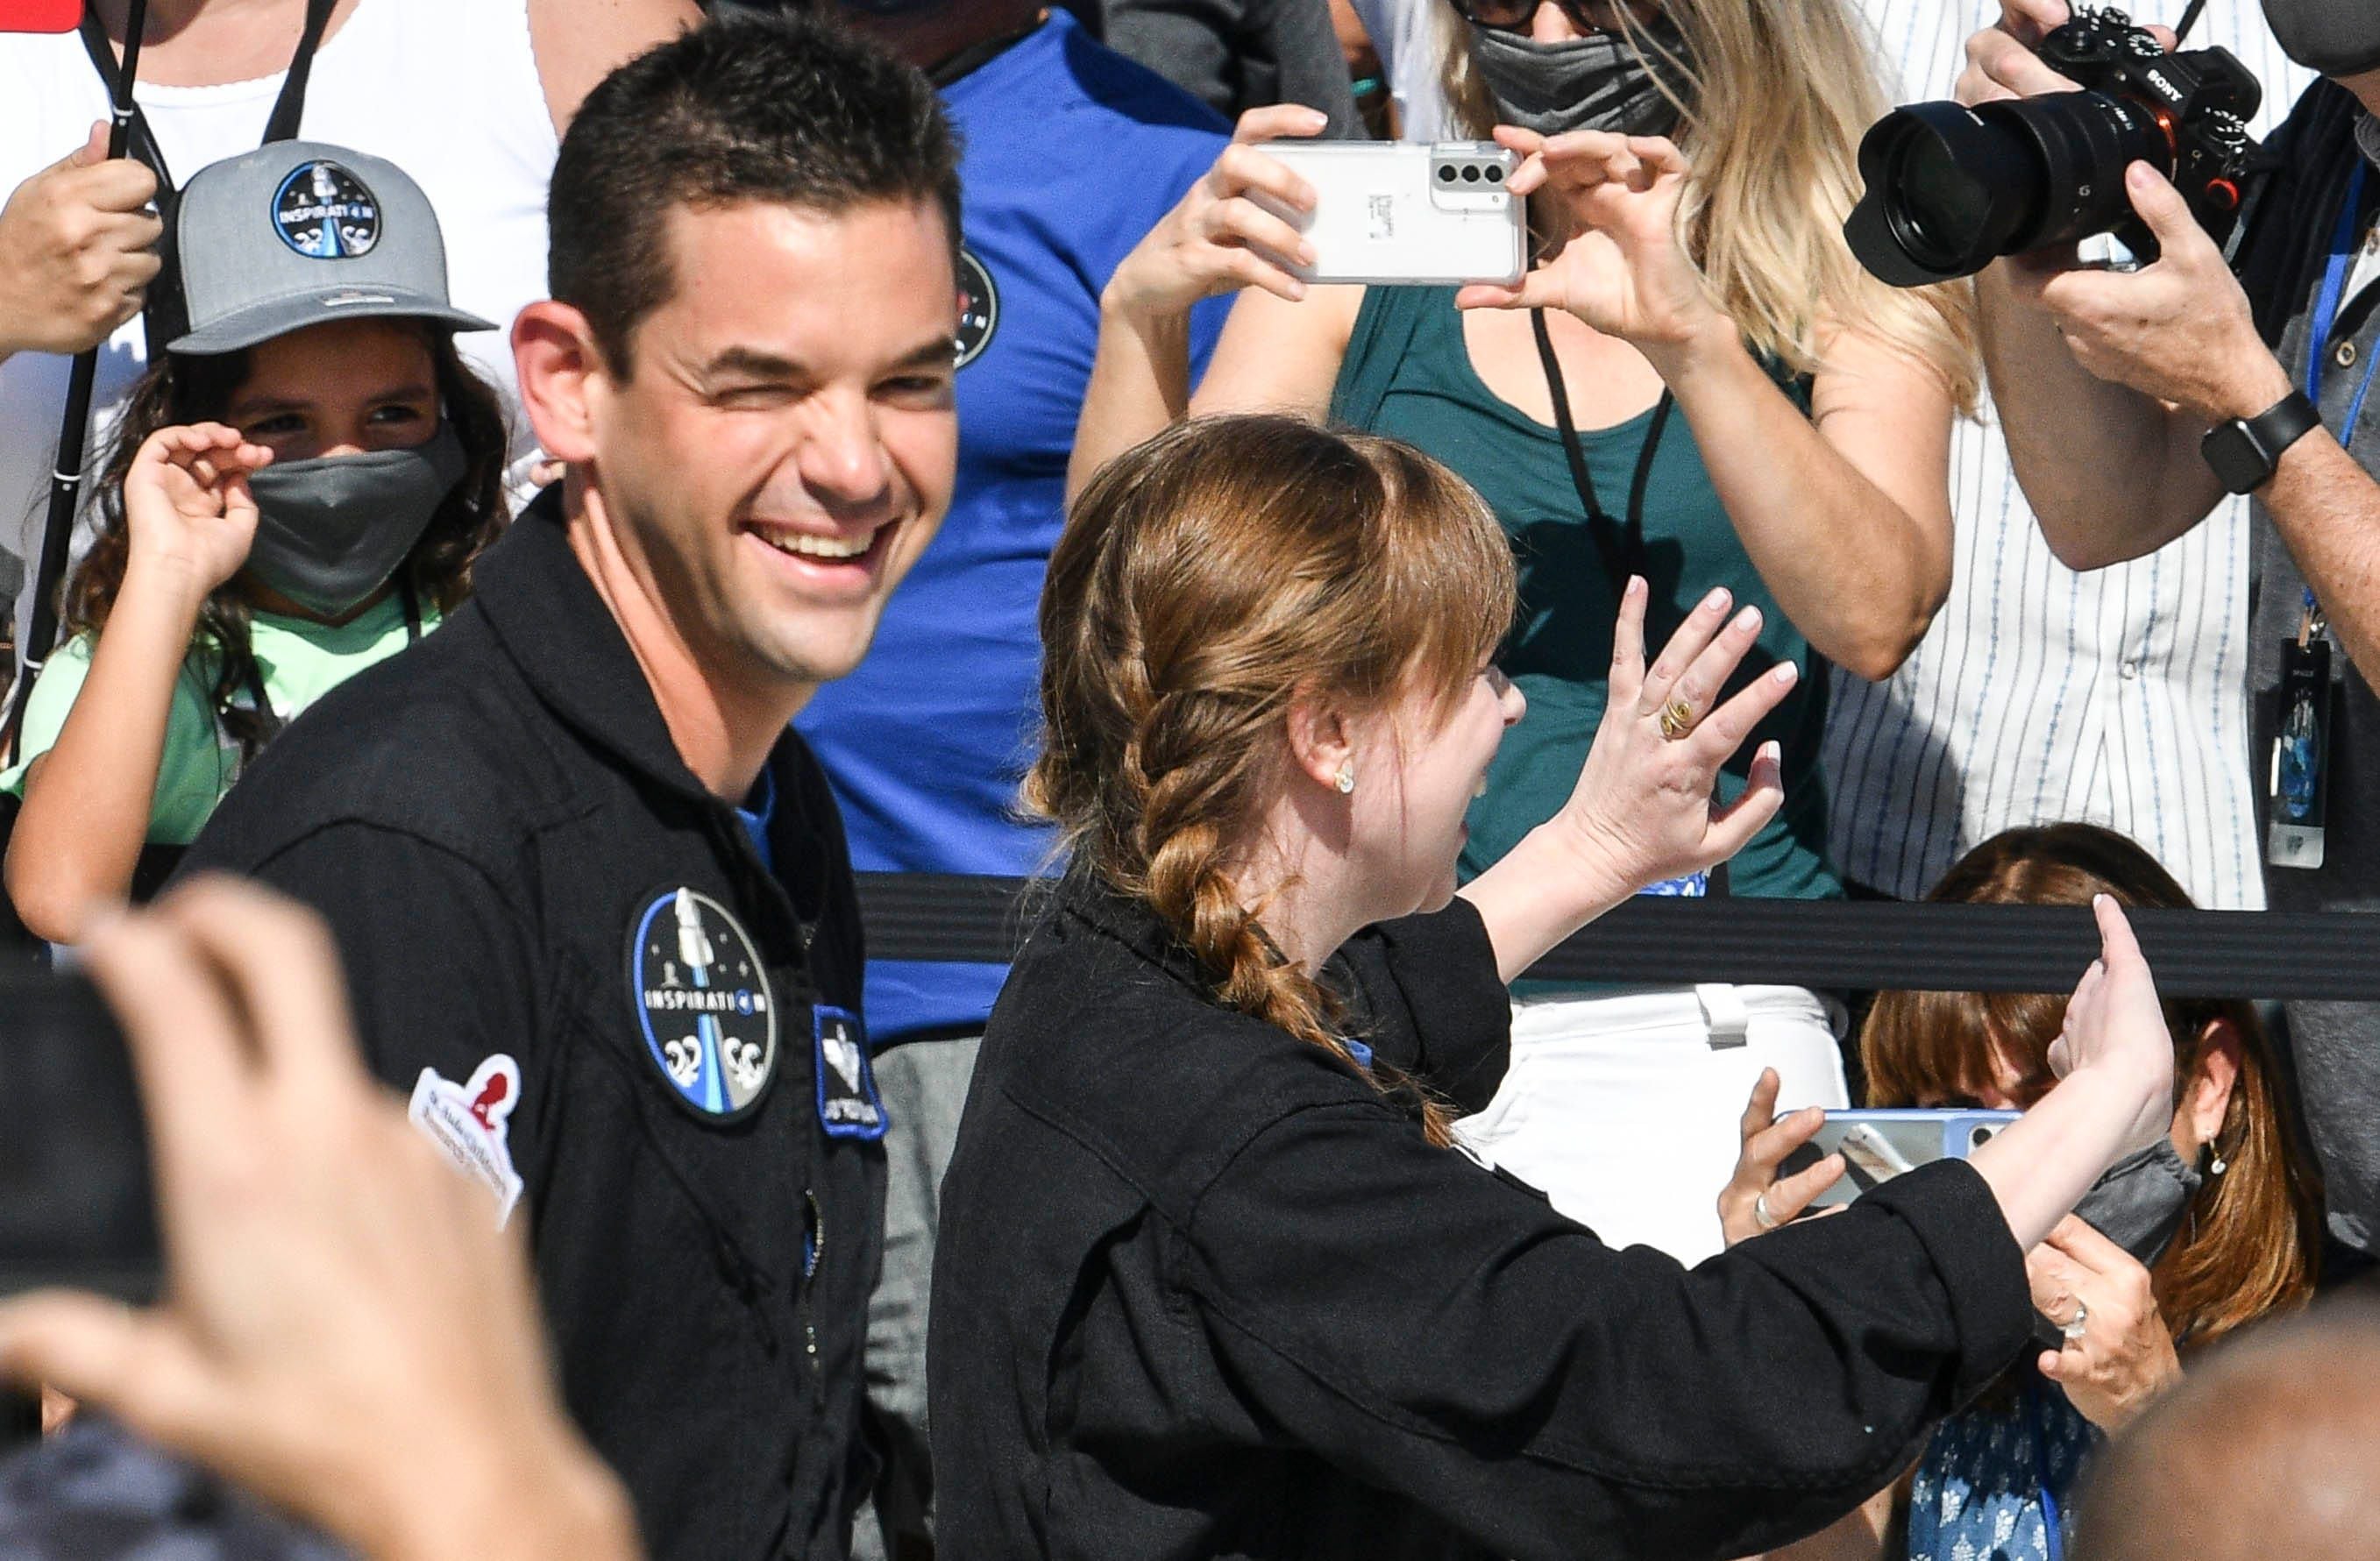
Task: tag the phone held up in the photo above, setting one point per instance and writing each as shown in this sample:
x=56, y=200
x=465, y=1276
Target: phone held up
x=1878, y=1145
x=75, y=1202
x=1392, y=213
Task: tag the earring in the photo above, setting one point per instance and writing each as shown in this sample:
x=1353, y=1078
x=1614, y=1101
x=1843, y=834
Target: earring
x=2218, y=1165
x=1346, y=782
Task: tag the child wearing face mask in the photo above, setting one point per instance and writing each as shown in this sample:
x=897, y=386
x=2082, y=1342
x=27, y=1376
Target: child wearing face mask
x=296, y=491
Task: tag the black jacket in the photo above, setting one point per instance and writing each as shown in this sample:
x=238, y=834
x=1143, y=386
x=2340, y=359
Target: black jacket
x=498, y=827
x=1201, y=1291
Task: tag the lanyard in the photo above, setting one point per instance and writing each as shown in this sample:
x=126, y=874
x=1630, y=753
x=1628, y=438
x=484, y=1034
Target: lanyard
x=1626, y=556
x=271, y=718
x=2343, y=247
x=161, y=320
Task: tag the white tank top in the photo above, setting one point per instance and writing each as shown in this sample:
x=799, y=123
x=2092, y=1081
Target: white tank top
x=447, y=90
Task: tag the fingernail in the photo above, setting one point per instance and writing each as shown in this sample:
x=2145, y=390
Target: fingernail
x=1785, y=672
x=1773, y=752
x=1296, y=288
x=1748, y=620
x=1716, y=601
x=2140, y=177
x=1635, y=586
x=1307, y=254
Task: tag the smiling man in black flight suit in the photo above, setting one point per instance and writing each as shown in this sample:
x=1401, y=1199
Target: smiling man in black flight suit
x=592, y=894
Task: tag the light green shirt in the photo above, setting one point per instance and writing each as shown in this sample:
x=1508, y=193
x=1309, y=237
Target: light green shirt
x=298, y=661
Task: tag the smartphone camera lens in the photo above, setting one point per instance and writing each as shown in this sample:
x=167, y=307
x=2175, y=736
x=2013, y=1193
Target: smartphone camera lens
x=1471, y=173
x=1979, y=1136
x=1495, y=174
x=1446, y=173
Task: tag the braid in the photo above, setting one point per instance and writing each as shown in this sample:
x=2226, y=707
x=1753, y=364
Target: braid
x=1207, y=580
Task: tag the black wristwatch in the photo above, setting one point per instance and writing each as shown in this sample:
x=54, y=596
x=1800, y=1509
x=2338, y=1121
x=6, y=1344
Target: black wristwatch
x=2244, y=451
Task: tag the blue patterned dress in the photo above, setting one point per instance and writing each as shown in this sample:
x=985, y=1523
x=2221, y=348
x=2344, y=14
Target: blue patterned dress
x=1993, y=1481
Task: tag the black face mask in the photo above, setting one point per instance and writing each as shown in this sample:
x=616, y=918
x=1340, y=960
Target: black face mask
x=2334, y=37
x=1593, y=83
x=330, y=531
x=2142, y=1200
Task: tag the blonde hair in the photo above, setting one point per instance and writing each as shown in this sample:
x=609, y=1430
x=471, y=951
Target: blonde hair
x=1205, y=581
x=1772, y=97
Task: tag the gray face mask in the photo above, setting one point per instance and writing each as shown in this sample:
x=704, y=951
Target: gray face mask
x=2334, y=37
x=330, y=531
x=2142, y=1200
x=1593, y=83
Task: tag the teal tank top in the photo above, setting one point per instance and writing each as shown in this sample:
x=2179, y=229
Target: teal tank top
x=1408, y=375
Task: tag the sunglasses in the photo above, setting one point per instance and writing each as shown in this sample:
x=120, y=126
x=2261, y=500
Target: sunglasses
x=1515, y=15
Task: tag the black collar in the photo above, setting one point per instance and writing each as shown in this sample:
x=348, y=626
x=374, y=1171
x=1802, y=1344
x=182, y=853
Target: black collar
x=566, y=642
x=1091, y=898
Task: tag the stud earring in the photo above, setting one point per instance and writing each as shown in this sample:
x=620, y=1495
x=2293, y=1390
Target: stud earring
x=1346, y=782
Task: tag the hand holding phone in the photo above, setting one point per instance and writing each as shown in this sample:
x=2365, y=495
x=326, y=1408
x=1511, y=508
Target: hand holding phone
x=1219, y=237
x=1876, y=1146
x=1388, y=213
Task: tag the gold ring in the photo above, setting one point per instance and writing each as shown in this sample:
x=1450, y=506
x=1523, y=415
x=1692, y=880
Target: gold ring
x=1677, y=720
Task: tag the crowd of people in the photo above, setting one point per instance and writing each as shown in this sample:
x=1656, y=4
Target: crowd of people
x=576, y=486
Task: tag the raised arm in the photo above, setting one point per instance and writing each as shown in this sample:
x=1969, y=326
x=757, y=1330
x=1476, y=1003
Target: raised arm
x=1216, y=239
x=2111, y=473
x=89, y=798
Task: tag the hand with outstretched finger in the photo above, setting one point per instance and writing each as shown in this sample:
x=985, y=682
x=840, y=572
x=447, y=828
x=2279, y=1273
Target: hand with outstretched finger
x=1616, y=260
x=2115, y=1028
x=1643, y=807
x=77, y=250
x=2119, y=1354
x=1756, y=1200
x=1220, y=236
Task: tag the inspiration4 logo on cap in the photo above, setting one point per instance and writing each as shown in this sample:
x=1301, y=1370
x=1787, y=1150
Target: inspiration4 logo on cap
x=323, y=211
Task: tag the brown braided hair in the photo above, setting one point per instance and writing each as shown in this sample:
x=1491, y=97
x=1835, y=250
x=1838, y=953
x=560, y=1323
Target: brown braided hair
x=1207, y=580
x=180, y=389
x=2255, y=1231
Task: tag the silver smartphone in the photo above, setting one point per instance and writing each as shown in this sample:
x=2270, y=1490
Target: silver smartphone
x=1878, y=1145
x=1393, y=212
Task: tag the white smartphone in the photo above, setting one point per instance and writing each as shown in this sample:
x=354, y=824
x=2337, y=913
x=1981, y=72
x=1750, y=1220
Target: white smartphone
x=1393, y=212
x=1880, y=1144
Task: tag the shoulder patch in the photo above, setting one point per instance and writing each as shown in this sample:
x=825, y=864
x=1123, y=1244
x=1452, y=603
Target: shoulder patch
x=703, y=1004
x=848, y=1104
x=978, y=306
x=469, y=1122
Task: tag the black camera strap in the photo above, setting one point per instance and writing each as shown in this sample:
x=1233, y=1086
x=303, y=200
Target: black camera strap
x=1622, y=555
x=162, y=321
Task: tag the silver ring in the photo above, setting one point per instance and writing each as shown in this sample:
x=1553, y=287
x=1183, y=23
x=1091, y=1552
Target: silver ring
x=1760, y=1214
x=2080, y=1325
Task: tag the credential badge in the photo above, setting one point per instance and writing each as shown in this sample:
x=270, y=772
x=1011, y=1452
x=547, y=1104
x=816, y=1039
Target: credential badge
x=848, y=1105
x=323, y=211
x=704, y=1003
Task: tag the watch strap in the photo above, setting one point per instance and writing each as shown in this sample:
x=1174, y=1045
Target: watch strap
x=2245, y=451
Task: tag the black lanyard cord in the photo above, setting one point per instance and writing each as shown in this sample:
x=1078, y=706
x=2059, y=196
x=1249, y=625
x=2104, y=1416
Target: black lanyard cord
x=163, y=320
x=1626, y=556
x=271, y=718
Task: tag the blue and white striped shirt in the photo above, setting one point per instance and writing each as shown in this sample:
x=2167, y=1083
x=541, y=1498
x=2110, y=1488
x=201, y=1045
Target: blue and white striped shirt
x=2041, y=695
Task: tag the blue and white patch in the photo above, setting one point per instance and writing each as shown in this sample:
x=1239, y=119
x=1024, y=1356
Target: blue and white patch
x=704, y=1003
x=848, y=1106
x=978, y=308
x=321, y=210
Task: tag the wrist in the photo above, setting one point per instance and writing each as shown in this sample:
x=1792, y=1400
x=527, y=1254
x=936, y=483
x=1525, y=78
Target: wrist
x=1579, y=869
x=567, y=1503
x=1140, y=312
x=1711, y=343
x=166, y=581
x=2262, y=385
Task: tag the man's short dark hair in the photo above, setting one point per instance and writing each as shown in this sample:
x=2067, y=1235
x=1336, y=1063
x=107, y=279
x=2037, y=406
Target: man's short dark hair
x=786, y=109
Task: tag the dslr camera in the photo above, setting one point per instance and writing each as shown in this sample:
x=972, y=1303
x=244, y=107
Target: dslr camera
x=1950, y=189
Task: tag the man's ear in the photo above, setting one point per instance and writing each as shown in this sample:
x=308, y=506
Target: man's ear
x=2206, y=1099
x=1319, y=743
x=561, y=373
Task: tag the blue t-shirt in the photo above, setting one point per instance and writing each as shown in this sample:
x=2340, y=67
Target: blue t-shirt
x=1072, y=154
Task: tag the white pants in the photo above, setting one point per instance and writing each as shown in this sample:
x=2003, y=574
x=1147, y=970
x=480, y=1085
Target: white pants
x=1624, y=1109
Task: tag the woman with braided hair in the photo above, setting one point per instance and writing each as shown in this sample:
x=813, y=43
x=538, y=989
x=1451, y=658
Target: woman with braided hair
x=1211, y=1281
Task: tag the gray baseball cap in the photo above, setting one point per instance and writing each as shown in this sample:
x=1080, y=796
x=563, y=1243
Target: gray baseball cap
x=297, y=233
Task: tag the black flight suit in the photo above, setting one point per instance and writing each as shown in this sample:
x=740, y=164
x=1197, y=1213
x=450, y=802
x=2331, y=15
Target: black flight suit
x=1202, y=1291
x=517, y=865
